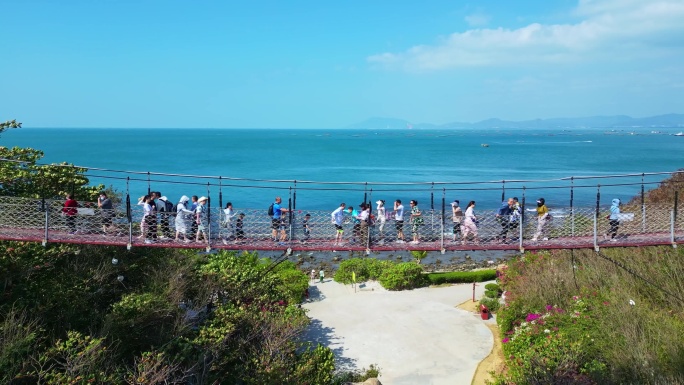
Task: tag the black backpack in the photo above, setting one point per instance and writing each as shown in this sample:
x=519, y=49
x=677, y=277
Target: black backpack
x=270, y=210
x=169, y=207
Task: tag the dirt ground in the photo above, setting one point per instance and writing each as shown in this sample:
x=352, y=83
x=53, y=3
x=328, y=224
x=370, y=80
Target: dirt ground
x=494, y=361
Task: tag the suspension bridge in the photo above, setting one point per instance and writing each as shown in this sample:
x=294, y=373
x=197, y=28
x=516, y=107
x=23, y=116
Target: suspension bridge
x=573, y=226
x=43, y=221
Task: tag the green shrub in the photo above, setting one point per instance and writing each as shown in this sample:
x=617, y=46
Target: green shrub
x=403, y=276
x=365, y=269
x=491, y=294
x=492, y=286
x=462, y=277
x=491, y=303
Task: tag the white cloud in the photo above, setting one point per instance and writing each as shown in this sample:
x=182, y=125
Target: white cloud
x=477, y=20
x=608, y=29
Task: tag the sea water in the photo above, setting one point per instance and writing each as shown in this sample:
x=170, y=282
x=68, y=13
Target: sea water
x=255, y=165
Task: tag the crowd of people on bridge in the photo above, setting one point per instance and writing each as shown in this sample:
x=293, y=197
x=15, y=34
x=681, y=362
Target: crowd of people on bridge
x=190, y=218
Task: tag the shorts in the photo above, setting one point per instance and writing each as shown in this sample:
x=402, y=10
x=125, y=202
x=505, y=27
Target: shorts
x=339, y=228
x=415, y=227
x=275, y=223
x=399, y=225
x=457, y=228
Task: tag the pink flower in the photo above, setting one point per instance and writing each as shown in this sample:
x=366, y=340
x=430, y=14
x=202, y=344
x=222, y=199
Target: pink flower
x=549, y=307
x=532, y=316
x=505, y=340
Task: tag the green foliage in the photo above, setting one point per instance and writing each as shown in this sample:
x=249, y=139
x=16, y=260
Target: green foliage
x=492, y=286
x=293, y=282
x=79, y=359
x=462, y=277
x=316, y=366
x=9, y=124
x=419, y=255
x=492, y=304
x=365, y=269
x=491, y=294
x=19, y=336
x=402, y=276
x=22, y=177
x=569, y=319
x=361, y=375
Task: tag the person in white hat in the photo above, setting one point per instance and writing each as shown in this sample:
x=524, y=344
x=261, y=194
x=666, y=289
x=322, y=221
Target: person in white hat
x=182, y=218
x=202, y=219
x=313, y=275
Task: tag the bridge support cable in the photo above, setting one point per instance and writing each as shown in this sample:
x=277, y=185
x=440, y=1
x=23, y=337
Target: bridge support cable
x=633, y=273
x=521, y=228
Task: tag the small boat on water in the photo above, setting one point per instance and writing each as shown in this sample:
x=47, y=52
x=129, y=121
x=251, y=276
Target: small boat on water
x=484, y=145
x=680, y=133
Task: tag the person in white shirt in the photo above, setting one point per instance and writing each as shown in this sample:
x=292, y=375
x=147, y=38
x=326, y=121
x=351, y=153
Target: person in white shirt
x=399, y=218
x=381, y=221
x=337, y=221
x=363, y=218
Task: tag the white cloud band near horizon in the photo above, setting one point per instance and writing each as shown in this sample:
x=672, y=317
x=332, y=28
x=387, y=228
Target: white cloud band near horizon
x=604, y=29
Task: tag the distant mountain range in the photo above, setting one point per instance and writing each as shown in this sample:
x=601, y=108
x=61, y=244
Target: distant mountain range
x=612, y=122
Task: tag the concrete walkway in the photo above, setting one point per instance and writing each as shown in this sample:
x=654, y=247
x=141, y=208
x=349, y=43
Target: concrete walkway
x=416, y=337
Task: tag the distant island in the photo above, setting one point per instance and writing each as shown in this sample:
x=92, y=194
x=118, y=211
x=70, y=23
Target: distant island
x=609, y=122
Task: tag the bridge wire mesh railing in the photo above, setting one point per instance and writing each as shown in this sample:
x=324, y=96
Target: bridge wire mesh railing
x=37, y=219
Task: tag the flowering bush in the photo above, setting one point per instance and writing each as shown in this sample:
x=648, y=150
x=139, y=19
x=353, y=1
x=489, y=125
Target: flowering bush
x=554, y=345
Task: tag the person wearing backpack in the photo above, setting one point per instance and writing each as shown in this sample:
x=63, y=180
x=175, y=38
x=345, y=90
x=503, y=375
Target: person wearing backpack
x=164, y=208
x=275, y=211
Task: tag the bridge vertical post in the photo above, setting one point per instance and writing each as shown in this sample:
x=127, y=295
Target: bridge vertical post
x=208, y=249
x=294, y=197
x=47, y=220
x=643, y=206
x=220, y=195
x=365, y=192
x=149, y=190
x=290, y=215
x=521, y=229
x=368, y=222
x=129, y=216
x=503, y=190
x=221, y=214
x=432, y=196
x=441, y=226
x=572, y=207
x=596, y=247
x=676, y=201
x=673, y=218
x=596, y=215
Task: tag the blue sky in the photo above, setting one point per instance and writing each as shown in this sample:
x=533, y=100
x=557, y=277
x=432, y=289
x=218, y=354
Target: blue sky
x=321, y=64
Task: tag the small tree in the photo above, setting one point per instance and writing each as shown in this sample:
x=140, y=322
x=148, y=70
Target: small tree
x=419, y=255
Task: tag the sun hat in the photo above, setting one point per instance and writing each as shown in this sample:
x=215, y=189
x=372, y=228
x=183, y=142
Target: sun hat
x=202, y=199
x=184, y=199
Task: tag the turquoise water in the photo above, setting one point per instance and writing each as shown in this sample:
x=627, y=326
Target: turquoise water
x=362, y=156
